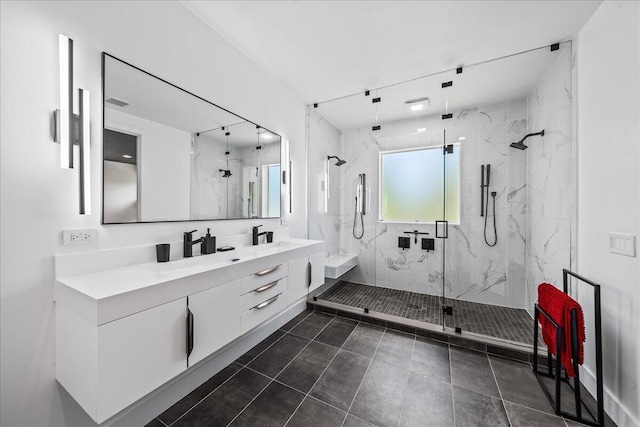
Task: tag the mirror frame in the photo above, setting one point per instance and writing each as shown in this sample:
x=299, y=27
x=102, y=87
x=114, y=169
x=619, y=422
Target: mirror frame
x=104, y=56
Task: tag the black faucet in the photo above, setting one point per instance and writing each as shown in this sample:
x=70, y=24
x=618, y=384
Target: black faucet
x=255, y=235
x=187, y=243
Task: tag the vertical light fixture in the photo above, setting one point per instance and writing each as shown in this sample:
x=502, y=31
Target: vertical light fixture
x=288, y=149
x=65, y=113
x=85, y=153
x=73, y=128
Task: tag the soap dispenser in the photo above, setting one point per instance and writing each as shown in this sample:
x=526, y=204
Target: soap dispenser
x=208, y=245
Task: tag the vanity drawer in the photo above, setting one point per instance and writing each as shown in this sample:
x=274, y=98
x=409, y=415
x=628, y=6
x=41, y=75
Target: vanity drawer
x=262, y=293
x=263, y=277
x=262, y=312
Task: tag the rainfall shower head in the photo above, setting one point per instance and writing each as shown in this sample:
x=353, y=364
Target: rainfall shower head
x=339, y=162
x=520, y=144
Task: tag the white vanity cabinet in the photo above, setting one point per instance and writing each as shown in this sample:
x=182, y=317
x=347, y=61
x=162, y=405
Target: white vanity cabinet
x=122, y=333
x=216, y=319
x=305, y=275
x=108, y=367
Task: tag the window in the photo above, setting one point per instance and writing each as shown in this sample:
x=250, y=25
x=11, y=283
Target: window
x=411, y=185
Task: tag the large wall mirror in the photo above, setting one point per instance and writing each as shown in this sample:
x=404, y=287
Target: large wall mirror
x=169, y=155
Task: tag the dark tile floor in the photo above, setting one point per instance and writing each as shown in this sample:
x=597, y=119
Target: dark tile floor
x=323, y=370
x=506, y=323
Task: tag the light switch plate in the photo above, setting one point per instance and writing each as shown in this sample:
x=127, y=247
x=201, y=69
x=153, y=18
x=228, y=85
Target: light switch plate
x=79, y=237
x=623, y=244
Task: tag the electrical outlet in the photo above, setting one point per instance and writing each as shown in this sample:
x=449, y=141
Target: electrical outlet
x=79, y=237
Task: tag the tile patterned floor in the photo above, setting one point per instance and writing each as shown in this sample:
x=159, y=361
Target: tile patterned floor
x=324, y=370
x=506, y=323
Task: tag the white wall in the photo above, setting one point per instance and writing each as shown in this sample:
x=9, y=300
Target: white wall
x=608, y=57
x=38, y=199
x=121, y=192
x=164, y=165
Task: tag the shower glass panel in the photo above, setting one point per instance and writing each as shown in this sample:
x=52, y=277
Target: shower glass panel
x=510, y=226
x=410, y=190
x=504, y=215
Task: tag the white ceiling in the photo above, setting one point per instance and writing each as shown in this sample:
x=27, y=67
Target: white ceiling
x=153, y=99
x=328, y=49
x=483, y=84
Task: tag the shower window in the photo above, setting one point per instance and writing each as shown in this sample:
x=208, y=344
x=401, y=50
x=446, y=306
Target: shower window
x=414, y=182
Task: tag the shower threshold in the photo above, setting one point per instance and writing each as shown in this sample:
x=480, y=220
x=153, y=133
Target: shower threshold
x=500, y=330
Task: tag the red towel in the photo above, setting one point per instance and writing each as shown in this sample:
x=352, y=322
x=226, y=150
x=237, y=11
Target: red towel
x=558, y=305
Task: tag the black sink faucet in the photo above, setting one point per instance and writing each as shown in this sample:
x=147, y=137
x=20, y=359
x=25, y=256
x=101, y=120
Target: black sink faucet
x=188, y=242
x=255, y=235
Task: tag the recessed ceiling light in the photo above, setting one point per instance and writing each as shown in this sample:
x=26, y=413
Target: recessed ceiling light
x=417, y=107
x=127, y=156
x=462, y=138
x=422, y=129
x=424, y=100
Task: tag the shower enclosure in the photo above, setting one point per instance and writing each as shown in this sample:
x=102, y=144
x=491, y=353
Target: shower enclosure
x=461, y=222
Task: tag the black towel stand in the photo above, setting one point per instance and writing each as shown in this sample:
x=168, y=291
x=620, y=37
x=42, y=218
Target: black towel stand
x=557, y=374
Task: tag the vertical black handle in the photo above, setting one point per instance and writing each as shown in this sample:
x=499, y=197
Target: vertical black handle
x=308, y=275
x=445, y=228
x=189, y=332
x=364, y=193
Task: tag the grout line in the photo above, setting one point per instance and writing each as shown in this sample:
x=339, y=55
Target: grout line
x=161, y=422
x=499, y=391
x=535, y=410
x=364, y=376
x=208, y=394
x=254, y=398
x=406, y=385
x=453, y=402
x=308, y=394
x=281, y=370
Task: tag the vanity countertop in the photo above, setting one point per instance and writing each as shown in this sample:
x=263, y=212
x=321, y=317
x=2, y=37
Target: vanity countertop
x=113, y=293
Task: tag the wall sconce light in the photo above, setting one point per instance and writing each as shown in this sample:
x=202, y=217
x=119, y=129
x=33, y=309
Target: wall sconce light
x=71, y=128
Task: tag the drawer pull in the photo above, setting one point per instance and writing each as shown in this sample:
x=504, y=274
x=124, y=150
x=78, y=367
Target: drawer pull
x=267, y=271
x=266, y=303
x=265, y=287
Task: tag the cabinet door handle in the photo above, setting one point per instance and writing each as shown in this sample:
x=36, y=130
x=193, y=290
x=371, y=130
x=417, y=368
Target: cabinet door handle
x=308, y=275
x=266, y=303
x=267, y=271
x=265, y=287
x=189, y=332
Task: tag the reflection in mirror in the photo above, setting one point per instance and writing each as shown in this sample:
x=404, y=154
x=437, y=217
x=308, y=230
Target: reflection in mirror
x=169, y=155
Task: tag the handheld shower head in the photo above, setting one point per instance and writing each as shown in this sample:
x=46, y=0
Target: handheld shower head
x=339, y=162
x=520, y=144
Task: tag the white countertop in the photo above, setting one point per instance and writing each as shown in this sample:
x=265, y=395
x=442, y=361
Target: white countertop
x=110, y=294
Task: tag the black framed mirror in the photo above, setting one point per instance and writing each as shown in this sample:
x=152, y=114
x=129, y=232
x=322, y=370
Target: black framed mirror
x=170, y=155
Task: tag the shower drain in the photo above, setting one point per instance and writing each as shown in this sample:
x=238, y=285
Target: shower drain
x=414, y=306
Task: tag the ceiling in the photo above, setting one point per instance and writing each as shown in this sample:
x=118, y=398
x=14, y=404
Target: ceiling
x=488, y=83
x=328, y=49
x=151, y=98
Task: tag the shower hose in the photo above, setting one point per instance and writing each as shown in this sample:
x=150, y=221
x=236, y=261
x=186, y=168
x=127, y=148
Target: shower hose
x=355, y=221
x=486, y=212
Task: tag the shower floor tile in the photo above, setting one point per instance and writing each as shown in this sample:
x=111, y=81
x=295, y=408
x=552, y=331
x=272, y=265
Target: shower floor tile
x=511, y=324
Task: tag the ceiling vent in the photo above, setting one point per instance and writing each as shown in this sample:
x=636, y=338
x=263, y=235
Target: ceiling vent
x=117, y=102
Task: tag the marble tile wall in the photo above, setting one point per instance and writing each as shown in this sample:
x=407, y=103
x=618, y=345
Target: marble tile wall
x=473, y=270
x=534, y=203
x=213, y=196
x=323, y=209
x=550, y=178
